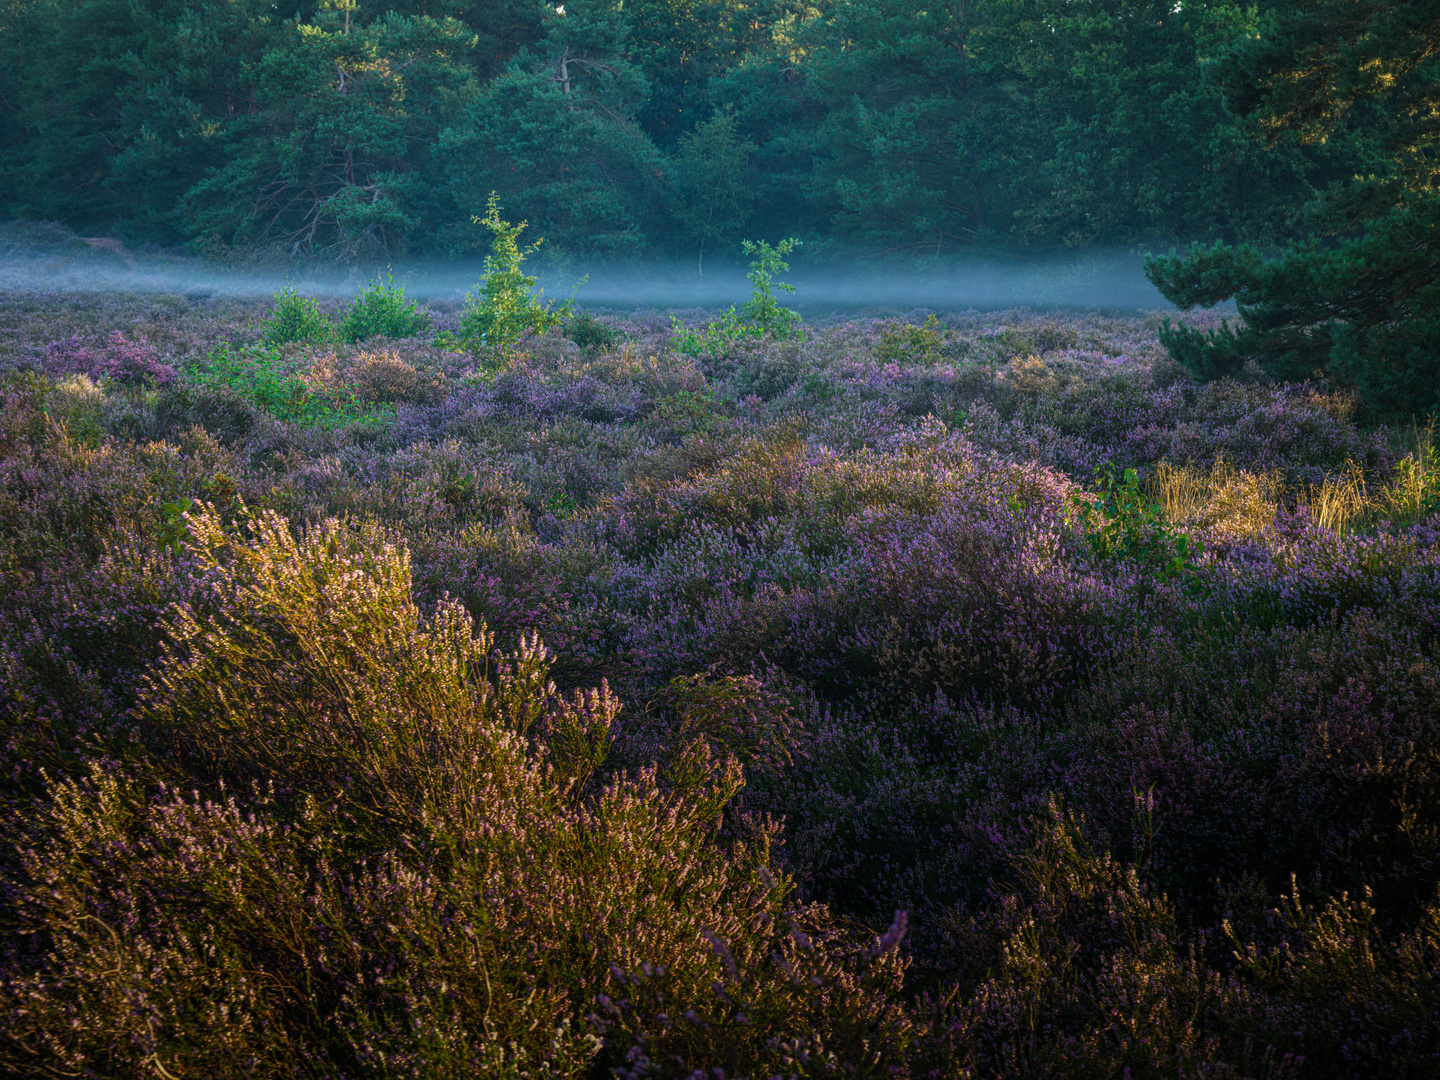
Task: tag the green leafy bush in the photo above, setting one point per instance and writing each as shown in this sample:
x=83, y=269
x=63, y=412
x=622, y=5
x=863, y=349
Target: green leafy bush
x=381, y=310
x=590, y=334
x=1124, y=523
x=507, y=305
x=920, y=344
x=758, y=317
x=762, y=308
x=1416, y=492
x=716, y=338
x=263, y=376
x=297, y=318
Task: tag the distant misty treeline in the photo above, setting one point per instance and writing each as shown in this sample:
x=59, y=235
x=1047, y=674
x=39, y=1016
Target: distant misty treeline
x=625, y=128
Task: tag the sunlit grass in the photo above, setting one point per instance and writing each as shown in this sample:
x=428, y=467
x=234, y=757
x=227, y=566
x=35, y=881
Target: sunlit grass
x=1235, y=503
x=1231, y=502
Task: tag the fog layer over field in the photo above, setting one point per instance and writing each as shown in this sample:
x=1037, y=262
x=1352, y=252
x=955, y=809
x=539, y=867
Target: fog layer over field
x=1114, y=281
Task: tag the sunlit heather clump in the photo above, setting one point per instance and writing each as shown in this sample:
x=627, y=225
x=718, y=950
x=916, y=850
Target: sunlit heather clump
x=944, y=694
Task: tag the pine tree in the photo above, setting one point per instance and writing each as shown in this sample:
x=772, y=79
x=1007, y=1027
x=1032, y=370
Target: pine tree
x=1359, y=303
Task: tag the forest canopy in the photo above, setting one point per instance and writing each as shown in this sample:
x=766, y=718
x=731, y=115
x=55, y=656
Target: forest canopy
x=345, y=129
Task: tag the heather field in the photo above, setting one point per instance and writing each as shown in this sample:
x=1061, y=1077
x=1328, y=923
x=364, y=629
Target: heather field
x=915, y=695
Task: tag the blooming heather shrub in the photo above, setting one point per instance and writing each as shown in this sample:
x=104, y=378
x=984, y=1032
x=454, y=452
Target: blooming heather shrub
x=405, y=717
x=911, y=570
x=1180, y=827
x=768, y=372
x=1083, y=936
x=133, y=363
x=1310, y=572
x=383, y=378
x=740, y=715
x=1312, y=761
x=125, y=362
x=502, y=570
x=393, y=816
x=221, y=411
x=768, y=989
x=1367, y=1006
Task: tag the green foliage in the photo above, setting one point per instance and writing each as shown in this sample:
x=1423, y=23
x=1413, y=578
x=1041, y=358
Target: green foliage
x=762, y=308
x=590, y=334
x=716, y=195
x=759, y=317
x=1123, y=523
x=322, y=161
x=683, y=49
x=1315, y=69
x=380, y=310
x=1036, y=121
x=1363, y=310
x=173, y=531
x=685, y=412
x=913, y=343
x=555, y=136
x=290, y=131
x=717, y=338
x=1417, y=492
x=264, y=376
x=507, y=305
x=297, y=318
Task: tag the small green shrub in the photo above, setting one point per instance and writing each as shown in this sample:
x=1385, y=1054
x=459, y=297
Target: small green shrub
x=79, y=404
x=1415, y=494
x=716, y=338
x=762, y=308
x=1123, y=523
x=918, y=344
x=590, y=334
x=684, y=412
x=172, y=530
x=297, y=318
x=265, y=378
x=381, y=310
x=507, y=305
x=760, y=316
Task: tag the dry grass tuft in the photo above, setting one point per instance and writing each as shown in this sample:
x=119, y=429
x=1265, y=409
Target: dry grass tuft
x=1341, y=503
x=1228, y=502
x=1235, y=503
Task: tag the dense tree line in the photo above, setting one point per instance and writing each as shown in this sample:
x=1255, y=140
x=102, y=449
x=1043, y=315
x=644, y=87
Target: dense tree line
x=351, y=128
